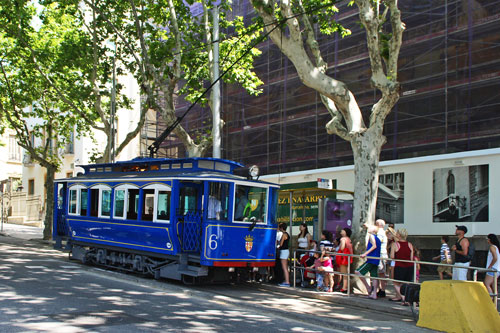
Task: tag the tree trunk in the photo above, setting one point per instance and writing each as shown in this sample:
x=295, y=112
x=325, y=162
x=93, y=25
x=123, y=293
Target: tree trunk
x=49, y=202
x=366, y=149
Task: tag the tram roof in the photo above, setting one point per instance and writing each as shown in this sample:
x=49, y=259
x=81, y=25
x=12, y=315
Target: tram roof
x=140, y=164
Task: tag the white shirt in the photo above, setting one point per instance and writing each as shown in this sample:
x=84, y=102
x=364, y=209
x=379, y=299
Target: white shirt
x=383, y=242
x=490, y=259
x=214, y=208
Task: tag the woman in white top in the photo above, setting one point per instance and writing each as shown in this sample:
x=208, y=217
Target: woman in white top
x=304, y=238
x=493, y=262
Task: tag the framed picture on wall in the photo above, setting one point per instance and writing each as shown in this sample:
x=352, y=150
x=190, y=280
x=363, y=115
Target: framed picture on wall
x=461, y=194
x=390, y=197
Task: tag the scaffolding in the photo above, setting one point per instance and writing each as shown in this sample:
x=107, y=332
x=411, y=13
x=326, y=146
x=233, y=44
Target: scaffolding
x=449, y=72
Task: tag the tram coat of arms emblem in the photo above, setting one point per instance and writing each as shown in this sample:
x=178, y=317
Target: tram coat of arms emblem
x=248, y=243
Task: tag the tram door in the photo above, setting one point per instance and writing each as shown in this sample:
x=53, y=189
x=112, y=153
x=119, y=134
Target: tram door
x=189, y=216
x=61, y=230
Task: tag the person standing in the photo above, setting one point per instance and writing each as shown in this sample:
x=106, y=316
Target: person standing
x=343, y=261
x=284, y=254
x=371, y=265
x=493, y=262
x=383, y=255
x=303, y=239
x=403, y=271
x=445, y=257
x=461, y=249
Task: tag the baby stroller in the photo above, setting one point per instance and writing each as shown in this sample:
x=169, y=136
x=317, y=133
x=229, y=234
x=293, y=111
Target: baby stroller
x=305, y=276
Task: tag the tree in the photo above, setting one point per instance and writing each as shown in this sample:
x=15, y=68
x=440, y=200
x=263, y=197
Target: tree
x=169, y=50
x=297, y=40
x=29, y=104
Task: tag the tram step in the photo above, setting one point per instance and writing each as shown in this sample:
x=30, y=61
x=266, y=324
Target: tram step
x=194, y=271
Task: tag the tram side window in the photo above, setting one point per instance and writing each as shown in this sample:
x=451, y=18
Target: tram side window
x=188, y=197
x=119, y=210
x=133, y=204
x=163, y=211
x=73, y=195
x=148, y=201
x=83, y=201
x=250, y=203
x=218, y=201
x=94, y=202
x=105, y=203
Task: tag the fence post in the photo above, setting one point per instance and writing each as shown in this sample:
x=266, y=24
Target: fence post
x=495, y=290
x=349, y=275
x=414, y=272
x=294, y=268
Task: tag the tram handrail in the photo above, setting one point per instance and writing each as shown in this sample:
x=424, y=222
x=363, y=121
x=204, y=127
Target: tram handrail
x=388, y=259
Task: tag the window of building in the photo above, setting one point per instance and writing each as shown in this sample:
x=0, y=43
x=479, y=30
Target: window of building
x=31, y=186
x=250, y=203
x=218, y=201
x=156, y=203
x=450, y=183
x=483, y=176
x=14, y=149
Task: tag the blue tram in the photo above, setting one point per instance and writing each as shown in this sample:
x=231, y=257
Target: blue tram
x=191, y=219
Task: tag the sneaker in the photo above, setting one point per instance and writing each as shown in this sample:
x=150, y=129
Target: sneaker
x=381, y=293
x=284, y=285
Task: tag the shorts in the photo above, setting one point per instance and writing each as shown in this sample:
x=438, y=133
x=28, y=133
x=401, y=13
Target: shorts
x=284, y=254
x=444, y=269
x=491, y=274
x=368, y=267
x=403, y=273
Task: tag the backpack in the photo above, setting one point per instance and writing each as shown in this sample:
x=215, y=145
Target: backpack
x=471, y=252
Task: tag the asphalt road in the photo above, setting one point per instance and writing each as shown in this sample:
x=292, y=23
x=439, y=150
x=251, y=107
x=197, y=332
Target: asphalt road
x=41, y=290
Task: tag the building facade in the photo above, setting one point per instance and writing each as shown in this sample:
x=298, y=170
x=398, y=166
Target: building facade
x=448, y=112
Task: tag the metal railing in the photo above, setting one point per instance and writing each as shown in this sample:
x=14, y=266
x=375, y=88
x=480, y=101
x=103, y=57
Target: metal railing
x=388, y=260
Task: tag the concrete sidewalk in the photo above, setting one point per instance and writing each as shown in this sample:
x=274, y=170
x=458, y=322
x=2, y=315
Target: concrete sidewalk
x=21, y=231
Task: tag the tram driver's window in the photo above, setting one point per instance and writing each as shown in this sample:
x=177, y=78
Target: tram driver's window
x=148, y=202
x=218, y=200
x=250, y=204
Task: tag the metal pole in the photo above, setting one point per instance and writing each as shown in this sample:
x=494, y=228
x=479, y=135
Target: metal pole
x=348, y=275
x=294, y=268
x=216, y=137
x=2, y=208
x=113, y=112
x=495, y=290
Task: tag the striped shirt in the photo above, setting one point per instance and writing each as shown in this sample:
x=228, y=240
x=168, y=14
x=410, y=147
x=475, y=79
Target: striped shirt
x=444, y=247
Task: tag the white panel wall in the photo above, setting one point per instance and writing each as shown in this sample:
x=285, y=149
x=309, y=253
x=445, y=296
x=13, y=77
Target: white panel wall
x=418, y=196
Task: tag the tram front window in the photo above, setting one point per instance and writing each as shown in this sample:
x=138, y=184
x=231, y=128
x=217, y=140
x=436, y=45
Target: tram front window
x=250, y=203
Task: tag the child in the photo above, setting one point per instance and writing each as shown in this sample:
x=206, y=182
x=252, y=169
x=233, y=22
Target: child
x=319, y=275
x=444, y=257
x=416, y=257
x=327, y=269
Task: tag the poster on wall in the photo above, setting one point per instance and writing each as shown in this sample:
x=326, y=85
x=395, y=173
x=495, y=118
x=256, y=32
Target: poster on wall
x=461, y=194
x=390, y=197
x=338, y=215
